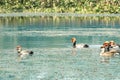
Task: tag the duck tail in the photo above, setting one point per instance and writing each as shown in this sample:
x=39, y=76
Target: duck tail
x=86, y=46
x=31, y=53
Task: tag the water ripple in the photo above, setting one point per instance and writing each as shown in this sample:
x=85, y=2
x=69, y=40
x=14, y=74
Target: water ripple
x=79, y=32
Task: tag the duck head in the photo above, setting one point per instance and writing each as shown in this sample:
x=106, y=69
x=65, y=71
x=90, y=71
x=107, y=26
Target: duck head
x=112, y=43
x=19, y=49
x=106, y=43
x=73, y=40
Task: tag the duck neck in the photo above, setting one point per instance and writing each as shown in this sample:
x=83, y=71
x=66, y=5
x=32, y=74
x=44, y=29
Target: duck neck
x=107, y=49
x=19, y=51
x=74, y=44
x=102, y=51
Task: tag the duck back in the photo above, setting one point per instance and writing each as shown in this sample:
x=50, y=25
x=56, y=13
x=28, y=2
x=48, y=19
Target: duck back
x=86, y=46
x=31, y=53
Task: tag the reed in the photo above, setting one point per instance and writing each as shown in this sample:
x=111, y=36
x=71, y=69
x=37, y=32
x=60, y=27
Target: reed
x=61, y=6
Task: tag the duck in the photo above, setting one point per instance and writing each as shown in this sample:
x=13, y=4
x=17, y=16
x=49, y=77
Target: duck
x=23, y=53
x=113, y=45
x=73, y=40
x=106, y=46
x=107, y=53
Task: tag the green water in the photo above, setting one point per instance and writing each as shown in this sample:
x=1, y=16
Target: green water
x=54, y=58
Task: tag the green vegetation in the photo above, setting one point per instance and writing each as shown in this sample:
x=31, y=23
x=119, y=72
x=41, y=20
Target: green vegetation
x=60, y=6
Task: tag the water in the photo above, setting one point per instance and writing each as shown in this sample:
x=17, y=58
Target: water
x=54, y=58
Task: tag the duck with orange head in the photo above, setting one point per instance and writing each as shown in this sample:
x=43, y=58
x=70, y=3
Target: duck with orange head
x=75, y=45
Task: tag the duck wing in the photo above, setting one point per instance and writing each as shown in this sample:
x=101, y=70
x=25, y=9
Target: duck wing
x=82, y=45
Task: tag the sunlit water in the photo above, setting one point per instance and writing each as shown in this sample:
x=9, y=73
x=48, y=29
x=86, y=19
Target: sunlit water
x=54, y=58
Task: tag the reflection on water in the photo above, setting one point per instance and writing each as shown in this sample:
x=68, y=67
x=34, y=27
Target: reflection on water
x=54, y=58
x=109, y=22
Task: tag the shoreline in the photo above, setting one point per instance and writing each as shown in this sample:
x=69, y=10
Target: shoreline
x=29, y=14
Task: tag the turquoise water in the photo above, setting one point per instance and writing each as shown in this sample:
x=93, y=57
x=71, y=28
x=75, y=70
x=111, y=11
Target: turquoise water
x=54, y=58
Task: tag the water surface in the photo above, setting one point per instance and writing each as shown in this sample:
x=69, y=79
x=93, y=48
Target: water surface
x=54, y=58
